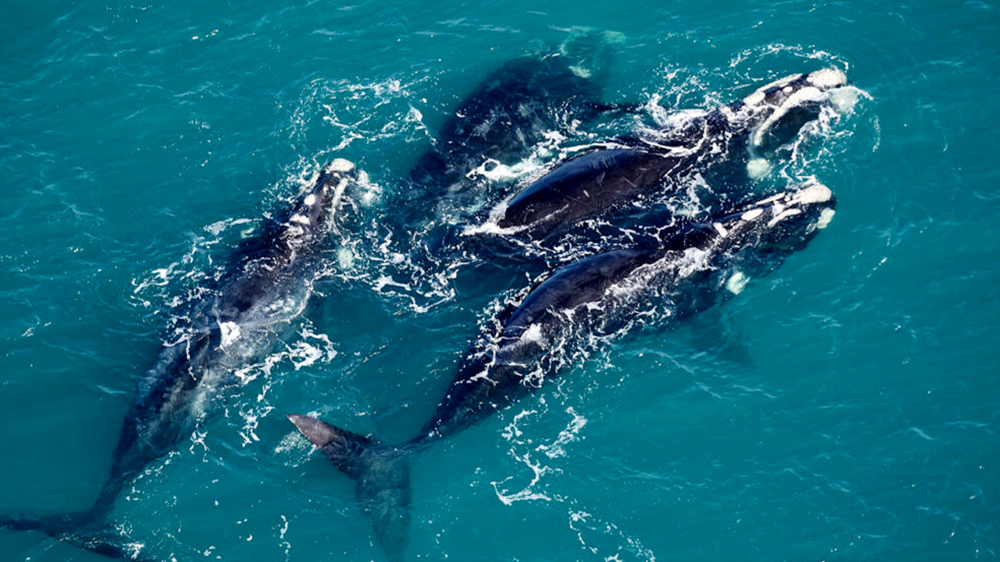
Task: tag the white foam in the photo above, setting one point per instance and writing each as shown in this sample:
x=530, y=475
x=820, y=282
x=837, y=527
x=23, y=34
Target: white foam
x=825, y=216
x=345, y=258
x=843, y=100
x=737, y=282
x=758, y=96
x=230, y=333
x=758, y=168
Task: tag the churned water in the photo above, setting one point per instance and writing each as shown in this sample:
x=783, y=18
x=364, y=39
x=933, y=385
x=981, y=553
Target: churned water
x=843, y=408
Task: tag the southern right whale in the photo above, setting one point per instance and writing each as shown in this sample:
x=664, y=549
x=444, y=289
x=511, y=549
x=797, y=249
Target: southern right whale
x=265, y=285
x=518, y=105
x=626, y=171
x=679, y=271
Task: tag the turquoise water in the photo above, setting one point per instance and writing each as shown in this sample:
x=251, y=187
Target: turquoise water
x=843, y=408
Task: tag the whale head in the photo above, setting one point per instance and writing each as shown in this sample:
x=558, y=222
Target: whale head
x=776, y=226
x=775, y=113
x=314, y=209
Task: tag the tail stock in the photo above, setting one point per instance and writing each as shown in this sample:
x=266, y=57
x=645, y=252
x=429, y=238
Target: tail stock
x=381, y=473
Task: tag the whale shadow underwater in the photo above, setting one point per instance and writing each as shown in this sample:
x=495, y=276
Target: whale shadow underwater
x=265, y=286
x=679, y=271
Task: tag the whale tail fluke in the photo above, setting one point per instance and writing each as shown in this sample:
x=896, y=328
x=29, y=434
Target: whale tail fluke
x=381, y=473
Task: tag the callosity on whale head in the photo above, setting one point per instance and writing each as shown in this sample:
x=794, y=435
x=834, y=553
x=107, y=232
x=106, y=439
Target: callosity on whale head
x=312, y=211
x=760, y=235
x=774, y=113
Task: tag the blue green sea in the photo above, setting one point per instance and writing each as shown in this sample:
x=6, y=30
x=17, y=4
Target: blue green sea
x=844, y=408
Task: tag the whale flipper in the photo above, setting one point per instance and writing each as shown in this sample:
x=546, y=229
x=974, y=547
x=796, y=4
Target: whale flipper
x=381, y=473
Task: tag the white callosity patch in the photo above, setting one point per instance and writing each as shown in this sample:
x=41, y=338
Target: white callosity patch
x=811, y=194
x=827, y=78
x=758, y=96
x=340, y=165
x=798, y=98
x=752, y=214
x=821, y=85
x=310, y=199
x=815, y=192
x=783, y=215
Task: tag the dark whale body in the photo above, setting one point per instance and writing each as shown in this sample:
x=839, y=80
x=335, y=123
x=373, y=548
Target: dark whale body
x=681, y=271
x=597, y=182
x=266, y=284
x=514, y=107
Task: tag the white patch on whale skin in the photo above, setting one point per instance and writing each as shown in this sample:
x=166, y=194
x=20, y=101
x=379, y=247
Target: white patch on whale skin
x=827, y=78
x=737, y=282
x=813, y=193
x=758, y=168
x=754, y=98
x=230, y=333
x=300, y=219
x=310, y=200
x=825, y=216
x=784, y=215
x=752, y=214
x=798, y=98
x=720, y=229
x=758, y=96
x=338, y=192
x=340, y=165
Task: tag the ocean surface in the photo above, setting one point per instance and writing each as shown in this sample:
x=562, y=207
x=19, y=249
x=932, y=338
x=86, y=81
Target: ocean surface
x=844, y=408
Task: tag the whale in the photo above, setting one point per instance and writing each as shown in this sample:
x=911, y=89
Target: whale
x=265, y=284
x=678, y=271
x=517, y=106
x=623, y=174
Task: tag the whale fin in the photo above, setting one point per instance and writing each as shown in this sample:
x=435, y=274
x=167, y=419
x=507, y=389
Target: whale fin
x=381, y=473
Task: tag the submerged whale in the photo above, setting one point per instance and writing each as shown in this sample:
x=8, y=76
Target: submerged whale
x=627, y=171
x=266, y=284
x=679, y=271
x=515, y=107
